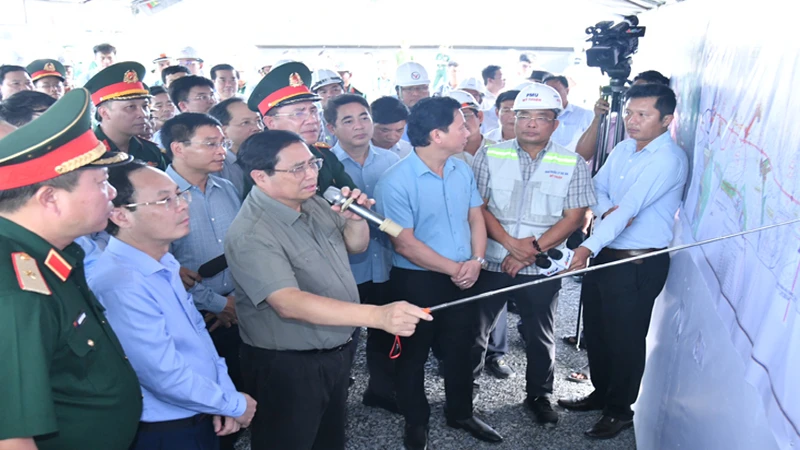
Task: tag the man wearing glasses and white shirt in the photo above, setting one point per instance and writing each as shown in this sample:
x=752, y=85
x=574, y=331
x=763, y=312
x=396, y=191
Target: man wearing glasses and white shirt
x=189, y=399
x=193, y=94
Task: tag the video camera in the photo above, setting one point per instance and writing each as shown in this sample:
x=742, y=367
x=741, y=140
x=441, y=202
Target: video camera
x=612, y=46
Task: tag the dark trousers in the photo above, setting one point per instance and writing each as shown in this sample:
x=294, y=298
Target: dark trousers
x=379, y=343
x=492, y=331
x=228, y=344
x=617, y=303
x=537, y=307
x=498, y=336
x=197, y=436
x=302, y=397
x=453, y=328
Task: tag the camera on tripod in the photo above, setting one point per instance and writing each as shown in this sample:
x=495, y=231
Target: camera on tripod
x=612, y=46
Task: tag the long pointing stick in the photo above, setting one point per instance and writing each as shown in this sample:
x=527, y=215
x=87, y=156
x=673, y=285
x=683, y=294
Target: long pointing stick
x=602, y=266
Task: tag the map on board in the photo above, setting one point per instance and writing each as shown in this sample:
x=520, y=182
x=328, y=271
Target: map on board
x=745, y=175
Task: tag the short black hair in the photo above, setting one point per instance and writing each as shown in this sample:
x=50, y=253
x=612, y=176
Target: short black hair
x=158, y=90
x=220, y=110
x=665, y=97
x=260, y=151
x=524, y=58
x=120, y=178
x=539, y=75
x=179, y=89
x=8, y=68
x=504, y=97
x=172, y=70
x=432, y=113
x=452, y=64
x=331, y=111
x=19, y=108
x=560, y=78
x=652, y=76
x=489, y=72
x=104, y=48
x=386, y=110
x=219, y=67
x=13, y=199
x=182, y=127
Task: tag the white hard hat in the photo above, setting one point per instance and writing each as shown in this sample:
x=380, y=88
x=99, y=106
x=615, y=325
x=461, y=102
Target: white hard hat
x=474, y=84
x=523, y=85
x=538, y=96
x=189, y=53
x=411, y=74
x=465, y=98
x=324, y=77
x=281, y=62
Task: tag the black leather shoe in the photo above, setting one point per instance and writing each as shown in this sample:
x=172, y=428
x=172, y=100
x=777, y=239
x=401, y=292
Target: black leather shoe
x=587, y=403
x=416, y=437
x=543, y=411
x=380, y=401
x=608, y=427
x=477, y=428
x=499, y=369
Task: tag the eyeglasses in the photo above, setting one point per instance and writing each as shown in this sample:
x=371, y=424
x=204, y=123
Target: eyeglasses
x=205, y=97
x=168, y=203
x=416, y=89
x=299, y=171
x=250, y=123
x=227, y=144
x=299, y=115
x=538, y=120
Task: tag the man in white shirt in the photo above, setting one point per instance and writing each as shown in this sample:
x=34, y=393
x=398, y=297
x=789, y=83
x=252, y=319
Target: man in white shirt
x=573, y=120
x=389, y=116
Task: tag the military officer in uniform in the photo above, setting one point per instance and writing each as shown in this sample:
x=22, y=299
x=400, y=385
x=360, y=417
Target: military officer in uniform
x=48, y=77
x=65, y=381
x=286, y=103
x=123, y=109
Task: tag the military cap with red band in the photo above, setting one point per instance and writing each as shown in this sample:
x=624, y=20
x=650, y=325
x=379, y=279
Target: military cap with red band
x=46, y=68
x=60, y=141
x=283, y=85
x=121, y=81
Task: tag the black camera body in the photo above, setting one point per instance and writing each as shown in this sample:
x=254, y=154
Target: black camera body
x=613, y=45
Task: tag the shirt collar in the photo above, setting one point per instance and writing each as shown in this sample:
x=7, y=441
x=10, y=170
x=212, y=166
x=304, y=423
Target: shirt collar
x=420, y=168
x=657, y=143
x=60, y=262
x=568, y=110
x=137, y=259
x=275, y=208
x=540, y=155
x=183, y=184
x=342, y=154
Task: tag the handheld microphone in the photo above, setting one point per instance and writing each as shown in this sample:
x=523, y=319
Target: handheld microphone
x=213, y=267
x=334, y=196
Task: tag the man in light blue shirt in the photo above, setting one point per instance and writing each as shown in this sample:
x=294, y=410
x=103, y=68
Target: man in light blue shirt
x=348, y=118
x=639, y=191
x=437, y=258
x=189, y=399
x=573, y=120
x=198, y=147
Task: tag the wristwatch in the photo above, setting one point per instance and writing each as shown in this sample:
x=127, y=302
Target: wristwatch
x=480, y=260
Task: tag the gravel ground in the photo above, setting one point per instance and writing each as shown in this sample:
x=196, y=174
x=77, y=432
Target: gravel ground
x=499, y=404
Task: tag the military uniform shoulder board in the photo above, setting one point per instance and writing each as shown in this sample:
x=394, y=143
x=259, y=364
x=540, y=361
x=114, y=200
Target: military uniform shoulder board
x=322, y=145
x=28, y=274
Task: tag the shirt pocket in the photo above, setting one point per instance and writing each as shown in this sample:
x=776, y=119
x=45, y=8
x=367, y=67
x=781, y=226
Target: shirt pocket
x=313, y=272
x=549, y=198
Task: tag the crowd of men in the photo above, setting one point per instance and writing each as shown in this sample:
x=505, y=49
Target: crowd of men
x=174, y=274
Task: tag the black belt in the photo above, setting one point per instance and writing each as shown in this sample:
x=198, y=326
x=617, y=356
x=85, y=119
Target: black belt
x=324, y=350
x=304, y=352
x=617, y=254
x=172, y=425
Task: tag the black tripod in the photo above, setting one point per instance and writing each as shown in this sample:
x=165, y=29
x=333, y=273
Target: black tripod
x=607, y=138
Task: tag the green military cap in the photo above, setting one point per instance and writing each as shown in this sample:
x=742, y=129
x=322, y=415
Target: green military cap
x=283, y=85
x=60, y=141
x=121, y=81
x=46, y=68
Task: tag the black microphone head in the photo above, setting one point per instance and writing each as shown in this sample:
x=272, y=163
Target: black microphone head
x=213, y=267
x=555, y=253
x=542, y=261
x=333, y=195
